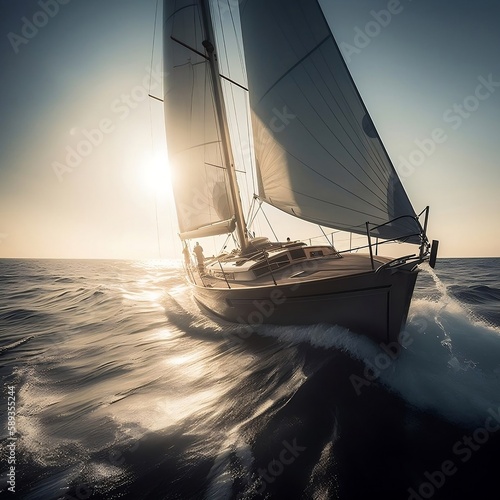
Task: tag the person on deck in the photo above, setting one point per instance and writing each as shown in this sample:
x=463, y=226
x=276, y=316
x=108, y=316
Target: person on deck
x=198, y=252
x=187, y=259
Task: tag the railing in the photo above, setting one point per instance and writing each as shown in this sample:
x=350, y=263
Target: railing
x=224, y=274
x=397, y=262
x=424, y=245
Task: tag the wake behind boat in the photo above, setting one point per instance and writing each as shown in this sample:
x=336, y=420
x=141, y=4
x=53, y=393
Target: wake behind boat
x=318, y=158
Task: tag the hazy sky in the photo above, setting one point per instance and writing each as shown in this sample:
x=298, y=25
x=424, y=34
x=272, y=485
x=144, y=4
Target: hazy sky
x=80, y=140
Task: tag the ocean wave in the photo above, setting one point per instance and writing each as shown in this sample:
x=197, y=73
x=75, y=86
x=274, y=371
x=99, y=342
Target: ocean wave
x=20, y=315
x=13, y=345
x=477, y=294
x=108, y=365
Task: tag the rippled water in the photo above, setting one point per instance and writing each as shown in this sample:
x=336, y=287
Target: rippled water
x=125, y=389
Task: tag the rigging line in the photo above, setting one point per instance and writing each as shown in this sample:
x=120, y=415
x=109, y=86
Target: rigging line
x=251, y=148
x=155, y=193
x=231, y=202
x=204, y=87
x=153, y=47
x=235, y=242
x=336, y=204
x=233, y=82
x=224, y=244
x=226, y=52
x=218, y=143
x=250, y=208
x=326, y=237
x=156, y=98
x=335, y=115
x=233, y=100
x=237, y=123
x=238, y=44
x=385, y=164
x=223, y=168
x=382, y=199
x=226, y=56
x=256, y=212
x=279, y=23
x=254, y=218
x=343, y=63
x=240, y=111
x=324, y=176
x=223, y=34
x=151, y=129
x=176, y=40
x=251, y=165
x=292, y=68
x=368, y=145
x=319, y=47
x=264, y=214
x=327, y=27
x=340, y=142
x=202, y=145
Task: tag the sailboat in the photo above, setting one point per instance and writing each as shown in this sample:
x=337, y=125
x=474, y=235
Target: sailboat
x=318, y=157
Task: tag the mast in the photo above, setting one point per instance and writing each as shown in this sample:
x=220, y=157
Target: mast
x=209, y=45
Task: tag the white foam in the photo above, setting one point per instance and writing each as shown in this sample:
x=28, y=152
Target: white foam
x=450, y=367
x=220, y=475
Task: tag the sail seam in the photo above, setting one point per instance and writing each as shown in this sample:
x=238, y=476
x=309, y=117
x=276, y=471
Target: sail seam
x=340, y=142
x=307, y=56
x=377, y=160
x=292, y=68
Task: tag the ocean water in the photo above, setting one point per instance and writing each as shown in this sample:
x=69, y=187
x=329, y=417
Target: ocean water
x=116, y=386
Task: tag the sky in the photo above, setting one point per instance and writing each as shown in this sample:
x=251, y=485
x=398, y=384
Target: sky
x=82, y=148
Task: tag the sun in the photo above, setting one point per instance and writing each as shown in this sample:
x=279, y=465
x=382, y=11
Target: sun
x=156, y=173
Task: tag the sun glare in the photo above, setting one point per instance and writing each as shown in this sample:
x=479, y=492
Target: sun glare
x=157, y=176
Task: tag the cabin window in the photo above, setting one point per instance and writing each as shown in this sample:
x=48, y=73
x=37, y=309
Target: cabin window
x=274, y=263
x=280, y=260
x=297, y=253
x=317, y=253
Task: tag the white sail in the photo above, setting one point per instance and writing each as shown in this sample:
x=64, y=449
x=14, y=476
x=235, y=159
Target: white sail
x=202, y=198
x=318, y=154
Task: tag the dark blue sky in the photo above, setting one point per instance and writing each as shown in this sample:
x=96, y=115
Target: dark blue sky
x=87, y=65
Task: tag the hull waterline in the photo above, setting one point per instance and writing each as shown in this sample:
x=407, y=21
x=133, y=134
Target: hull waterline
x=372, y=304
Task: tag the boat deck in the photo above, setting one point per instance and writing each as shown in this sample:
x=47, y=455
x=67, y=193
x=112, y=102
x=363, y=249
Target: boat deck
x=307, y=270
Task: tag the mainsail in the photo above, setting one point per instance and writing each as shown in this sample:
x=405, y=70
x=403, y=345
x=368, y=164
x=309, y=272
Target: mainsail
x=202, y=199
x=318, y=154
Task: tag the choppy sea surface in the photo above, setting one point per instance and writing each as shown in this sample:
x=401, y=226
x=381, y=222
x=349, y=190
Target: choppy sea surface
x=115, y=385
